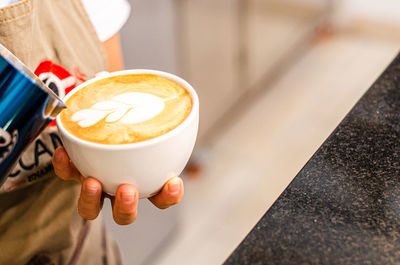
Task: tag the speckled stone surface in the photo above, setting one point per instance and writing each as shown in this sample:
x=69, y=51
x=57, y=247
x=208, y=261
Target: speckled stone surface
x=344, y=206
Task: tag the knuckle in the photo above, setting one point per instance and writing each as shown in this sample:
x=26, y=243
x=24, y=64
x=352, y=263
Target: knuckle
x=125, y=219
x=174, y=200
x=59, y=172
x=87, y=213
x=88, y=208
x=85, y=206
x=169, y=203
x=162, y=207
x=125, y=216
x=125, y=212
x=63, y=173
x=89, y=201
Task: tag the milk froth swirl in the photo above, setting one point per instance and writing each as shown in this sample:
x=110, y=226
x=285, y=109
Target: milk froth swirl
x=126, y=109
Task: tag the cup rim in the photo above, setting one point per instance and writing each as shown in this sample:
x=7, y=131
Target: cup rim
x=103, y=75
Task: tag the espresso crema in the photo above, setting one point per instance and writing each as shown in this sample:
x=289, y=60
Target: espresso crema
x=126, y=109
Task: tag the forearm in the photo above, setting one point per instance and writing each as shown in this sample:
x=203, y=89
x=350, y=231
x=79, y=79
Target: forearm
x=114, y=53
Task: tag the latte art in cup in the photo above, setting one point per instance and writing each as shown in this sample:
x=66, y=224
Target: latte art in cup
x=126, y=109
x=134, y=126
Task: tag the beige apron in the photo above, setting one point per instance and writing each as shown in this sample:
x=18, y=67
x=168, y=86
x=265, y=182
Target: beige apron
x=39, y=223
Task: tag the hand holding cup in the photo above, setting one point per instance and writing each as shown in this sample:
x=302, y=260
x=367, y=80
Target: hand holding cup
x=124, y=203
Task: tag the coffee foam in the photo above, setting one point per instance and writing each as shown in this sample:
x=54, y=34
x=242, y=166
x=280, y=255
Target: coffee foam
x=126, y=109
x=130, y=108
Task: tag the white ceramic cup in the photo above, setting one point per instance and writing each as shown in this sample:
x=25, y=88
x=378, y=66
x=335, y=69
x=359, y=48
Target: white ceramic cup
x=148, y=164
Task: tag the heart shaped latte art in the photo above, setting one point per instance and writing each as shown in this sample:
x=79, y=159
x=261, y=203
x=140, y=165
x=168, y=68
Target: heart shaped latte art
x=127, y=108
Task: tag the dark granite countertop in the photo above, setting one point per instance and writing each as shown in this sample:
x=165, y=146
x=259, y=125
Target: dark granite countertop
x=344, y=205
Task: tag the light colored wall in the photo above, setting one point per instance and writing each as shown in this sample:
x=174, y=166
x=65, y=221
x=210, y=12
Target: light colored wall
x=148, y=38
x=387, y=11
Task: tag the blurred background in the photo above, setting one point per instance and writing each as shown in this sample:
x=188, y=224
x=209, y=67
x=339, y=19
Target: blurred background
x=274, y=77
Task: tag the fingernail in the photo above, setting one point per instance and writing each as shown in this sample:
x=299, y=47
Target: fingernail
x=174, y=185
x=91, y=190
x=128, y=197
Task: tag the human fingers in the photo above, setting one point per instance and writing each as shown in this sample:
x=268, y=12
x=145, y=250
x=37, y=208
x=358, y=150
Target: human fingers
x=63, y=167
x=90, y=200
x=125, y=204
x=171, y=194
